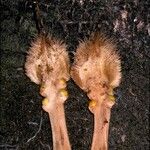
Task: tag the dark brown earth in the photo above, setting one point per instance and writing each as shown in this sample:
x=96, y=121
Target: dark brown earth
x=23, y=124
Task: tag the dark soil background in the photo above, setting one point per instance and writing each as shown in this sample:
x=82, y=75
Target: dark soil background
x=23, y=123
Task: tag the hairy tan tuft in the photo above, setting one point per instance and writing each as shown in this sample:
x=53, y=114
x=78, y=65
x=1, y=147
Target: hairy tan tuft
x=96, y=61
x=47, y=59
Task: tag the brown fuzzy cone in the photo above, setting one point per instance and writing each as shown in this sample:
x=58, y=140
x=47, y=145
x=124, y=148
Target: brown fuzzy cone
x=47, y=60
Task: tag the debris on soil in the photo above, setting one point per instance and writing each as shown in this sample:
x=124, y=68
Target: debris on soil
x=72, y=21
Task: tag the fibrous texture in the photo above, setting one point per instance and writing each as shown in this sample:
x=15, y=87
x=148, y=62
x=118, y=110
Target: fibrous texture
x=97, y=70
x=47, y=64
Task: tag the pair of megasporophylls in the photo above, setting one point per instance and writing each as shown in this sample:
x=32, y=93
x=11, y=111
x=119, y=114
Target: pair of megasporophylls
x=96, y=70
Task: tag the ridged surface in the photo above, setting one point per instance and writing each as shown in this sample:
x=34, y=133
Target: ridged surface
x=96, y=63
x=47, y=60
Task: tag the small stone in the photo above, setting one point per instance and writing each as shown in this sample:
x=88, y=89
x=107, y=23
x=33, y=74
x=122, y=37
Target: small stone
x=123, y=137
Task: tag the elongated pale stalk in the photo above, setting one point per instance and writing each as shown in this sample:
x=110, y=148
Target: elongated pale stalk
x=59, y=130
x=101, y=127
x=96, y=70
x=47, y=64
